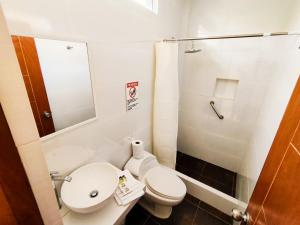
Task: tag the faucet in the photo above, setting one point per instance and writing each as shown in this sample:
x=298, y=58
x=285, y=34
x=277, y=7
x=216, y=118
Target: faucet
x=54, y=175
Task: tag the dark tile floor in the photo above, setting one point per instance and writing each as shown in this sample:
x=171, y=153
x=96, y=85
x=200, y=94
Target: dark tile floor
x=205, y=172
x=190, y=212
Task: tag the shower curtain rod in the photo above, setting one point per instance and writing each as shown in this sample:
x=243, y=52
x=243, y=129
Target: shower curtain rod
x=234, y=36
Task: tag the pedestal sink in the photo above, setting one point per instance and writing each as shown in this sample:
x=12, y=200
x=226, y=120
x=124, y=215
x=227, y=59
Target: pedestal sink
x=90, y=188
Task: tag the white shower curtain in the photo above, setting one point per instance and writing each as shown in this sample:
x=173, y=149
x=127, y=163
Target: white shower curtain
x=165, y=111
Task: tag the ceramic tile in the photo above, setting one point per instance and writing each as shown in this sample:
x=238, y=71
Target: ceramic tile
x=191, y=199
x=191, y=211
x=207, y=173
x=137, y=216
x=190, y=162
x=211, y=210
x=251, y=61
x=151, y=221
x=204, y=218
x=32, y=158
x=219, y=174
x=114, y=60
x=38, y=175
x=227, y=189
x=181, y=214
x=211, y=149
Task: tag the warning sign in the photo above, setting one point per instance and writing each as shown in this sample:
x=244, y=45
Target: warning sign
x=132, y=95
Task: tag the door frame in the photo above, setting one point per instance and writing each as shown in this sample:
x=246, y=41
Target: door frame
x=17, y=200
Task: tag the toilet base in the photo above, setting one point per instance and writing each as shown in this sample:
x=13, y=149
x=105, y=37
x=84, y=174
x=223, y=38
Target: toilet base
x=157, y=210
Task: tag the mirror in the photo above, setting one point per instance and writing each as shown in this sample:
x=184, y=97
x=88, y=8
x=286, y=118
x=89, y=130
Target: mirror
x=58, y=82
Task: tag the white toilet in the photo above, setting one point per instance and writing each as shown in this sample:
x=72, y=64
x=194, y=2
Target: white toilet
x=163, y=188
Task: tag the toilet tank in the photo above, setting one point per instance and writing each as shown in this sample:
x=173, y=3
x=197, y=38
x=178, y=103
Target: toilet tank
x=139, y=167
x=147, y=165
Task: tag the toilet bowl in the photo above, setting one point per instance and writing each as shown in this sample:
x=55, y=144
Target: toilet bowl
x=163, y=189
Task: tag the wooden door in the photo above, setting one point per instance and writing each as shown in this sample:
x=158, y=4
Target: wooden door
x=32, y=75
x=6, y=214
x=17, y=202
x=276, y=197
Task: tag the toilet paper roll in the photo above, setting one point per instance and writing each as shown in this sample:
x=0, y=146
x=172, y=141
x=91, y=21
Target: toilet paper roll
x=137, y=149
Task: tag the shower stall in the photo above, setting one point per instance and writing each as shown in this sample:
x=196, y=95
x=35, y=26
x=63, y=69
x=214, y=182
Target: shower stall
x=233, y=91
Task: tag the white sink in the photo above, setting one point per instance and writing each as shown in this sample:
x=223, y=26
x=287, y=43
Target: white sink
x=90, y=188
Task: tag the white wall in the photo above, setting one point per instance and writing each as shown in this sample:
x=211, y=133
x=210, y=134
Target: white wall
x=293, y=24
x=258, y=65
x=120, y=37
x=235, y=17
x=201, y=133
x=19, y=116
x=67, y=81
x=274, y=104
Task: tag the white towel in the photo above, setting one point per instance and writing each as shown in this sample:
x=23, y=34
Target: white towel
x=166, y=97
x=125, y=201
x=128, y=189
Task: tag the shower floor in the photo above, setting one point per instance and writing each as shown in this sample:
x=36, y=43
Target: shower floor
x=217, y=177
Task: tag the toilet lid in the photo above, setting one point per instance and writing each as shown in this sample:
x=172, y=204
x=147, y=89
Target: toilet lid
x=161, y=182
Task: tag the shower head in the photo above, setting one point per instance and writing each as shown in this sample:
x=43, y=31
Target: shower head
x=193, y=49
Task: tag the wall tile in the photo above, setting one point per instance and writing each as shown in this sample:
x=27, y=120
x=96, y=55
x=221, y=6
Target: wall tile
x=35, y=166
x=16, y=106
x=251, y=61
x=222, y=59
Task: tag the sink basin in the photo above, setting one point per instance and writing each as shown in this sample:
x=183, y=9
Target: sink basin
x=90, y=188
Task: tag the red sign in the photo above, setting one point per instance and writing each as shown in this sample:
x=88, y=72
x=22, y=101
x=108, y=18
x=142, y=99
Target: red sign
x=132, y=95
x=132, y=84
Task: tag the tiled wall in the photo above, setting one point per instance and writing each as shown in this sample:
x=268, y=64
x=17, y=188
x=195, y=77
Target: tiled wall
x=294, y=20
x=18, y=113
x=201, y=133
x=250, y=61
x=254, y=62
x=120, y=36
x=236, y=17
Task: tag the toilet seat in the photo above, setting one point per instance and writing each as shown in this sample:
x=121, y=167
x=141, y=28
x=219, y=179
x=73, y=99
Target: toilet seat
x=165, y=184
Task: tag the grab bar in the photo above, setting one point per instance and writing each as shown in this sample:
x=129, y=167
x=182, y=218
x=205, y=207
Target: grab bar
x=212, y=103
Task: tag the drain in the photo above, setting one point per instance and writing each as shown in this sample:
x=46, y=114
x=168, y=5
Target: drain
x=94, y=193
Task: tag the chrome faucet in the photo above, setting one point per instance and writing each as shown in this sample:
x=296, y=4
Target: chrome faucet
x=56, y=177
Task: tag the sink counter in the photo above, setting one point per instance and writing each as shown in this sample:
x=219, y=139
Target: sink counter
x=110, y=214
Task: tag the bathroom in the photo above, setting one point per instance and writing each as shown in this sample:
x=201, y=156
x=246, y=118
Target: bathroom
x=242, y=60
